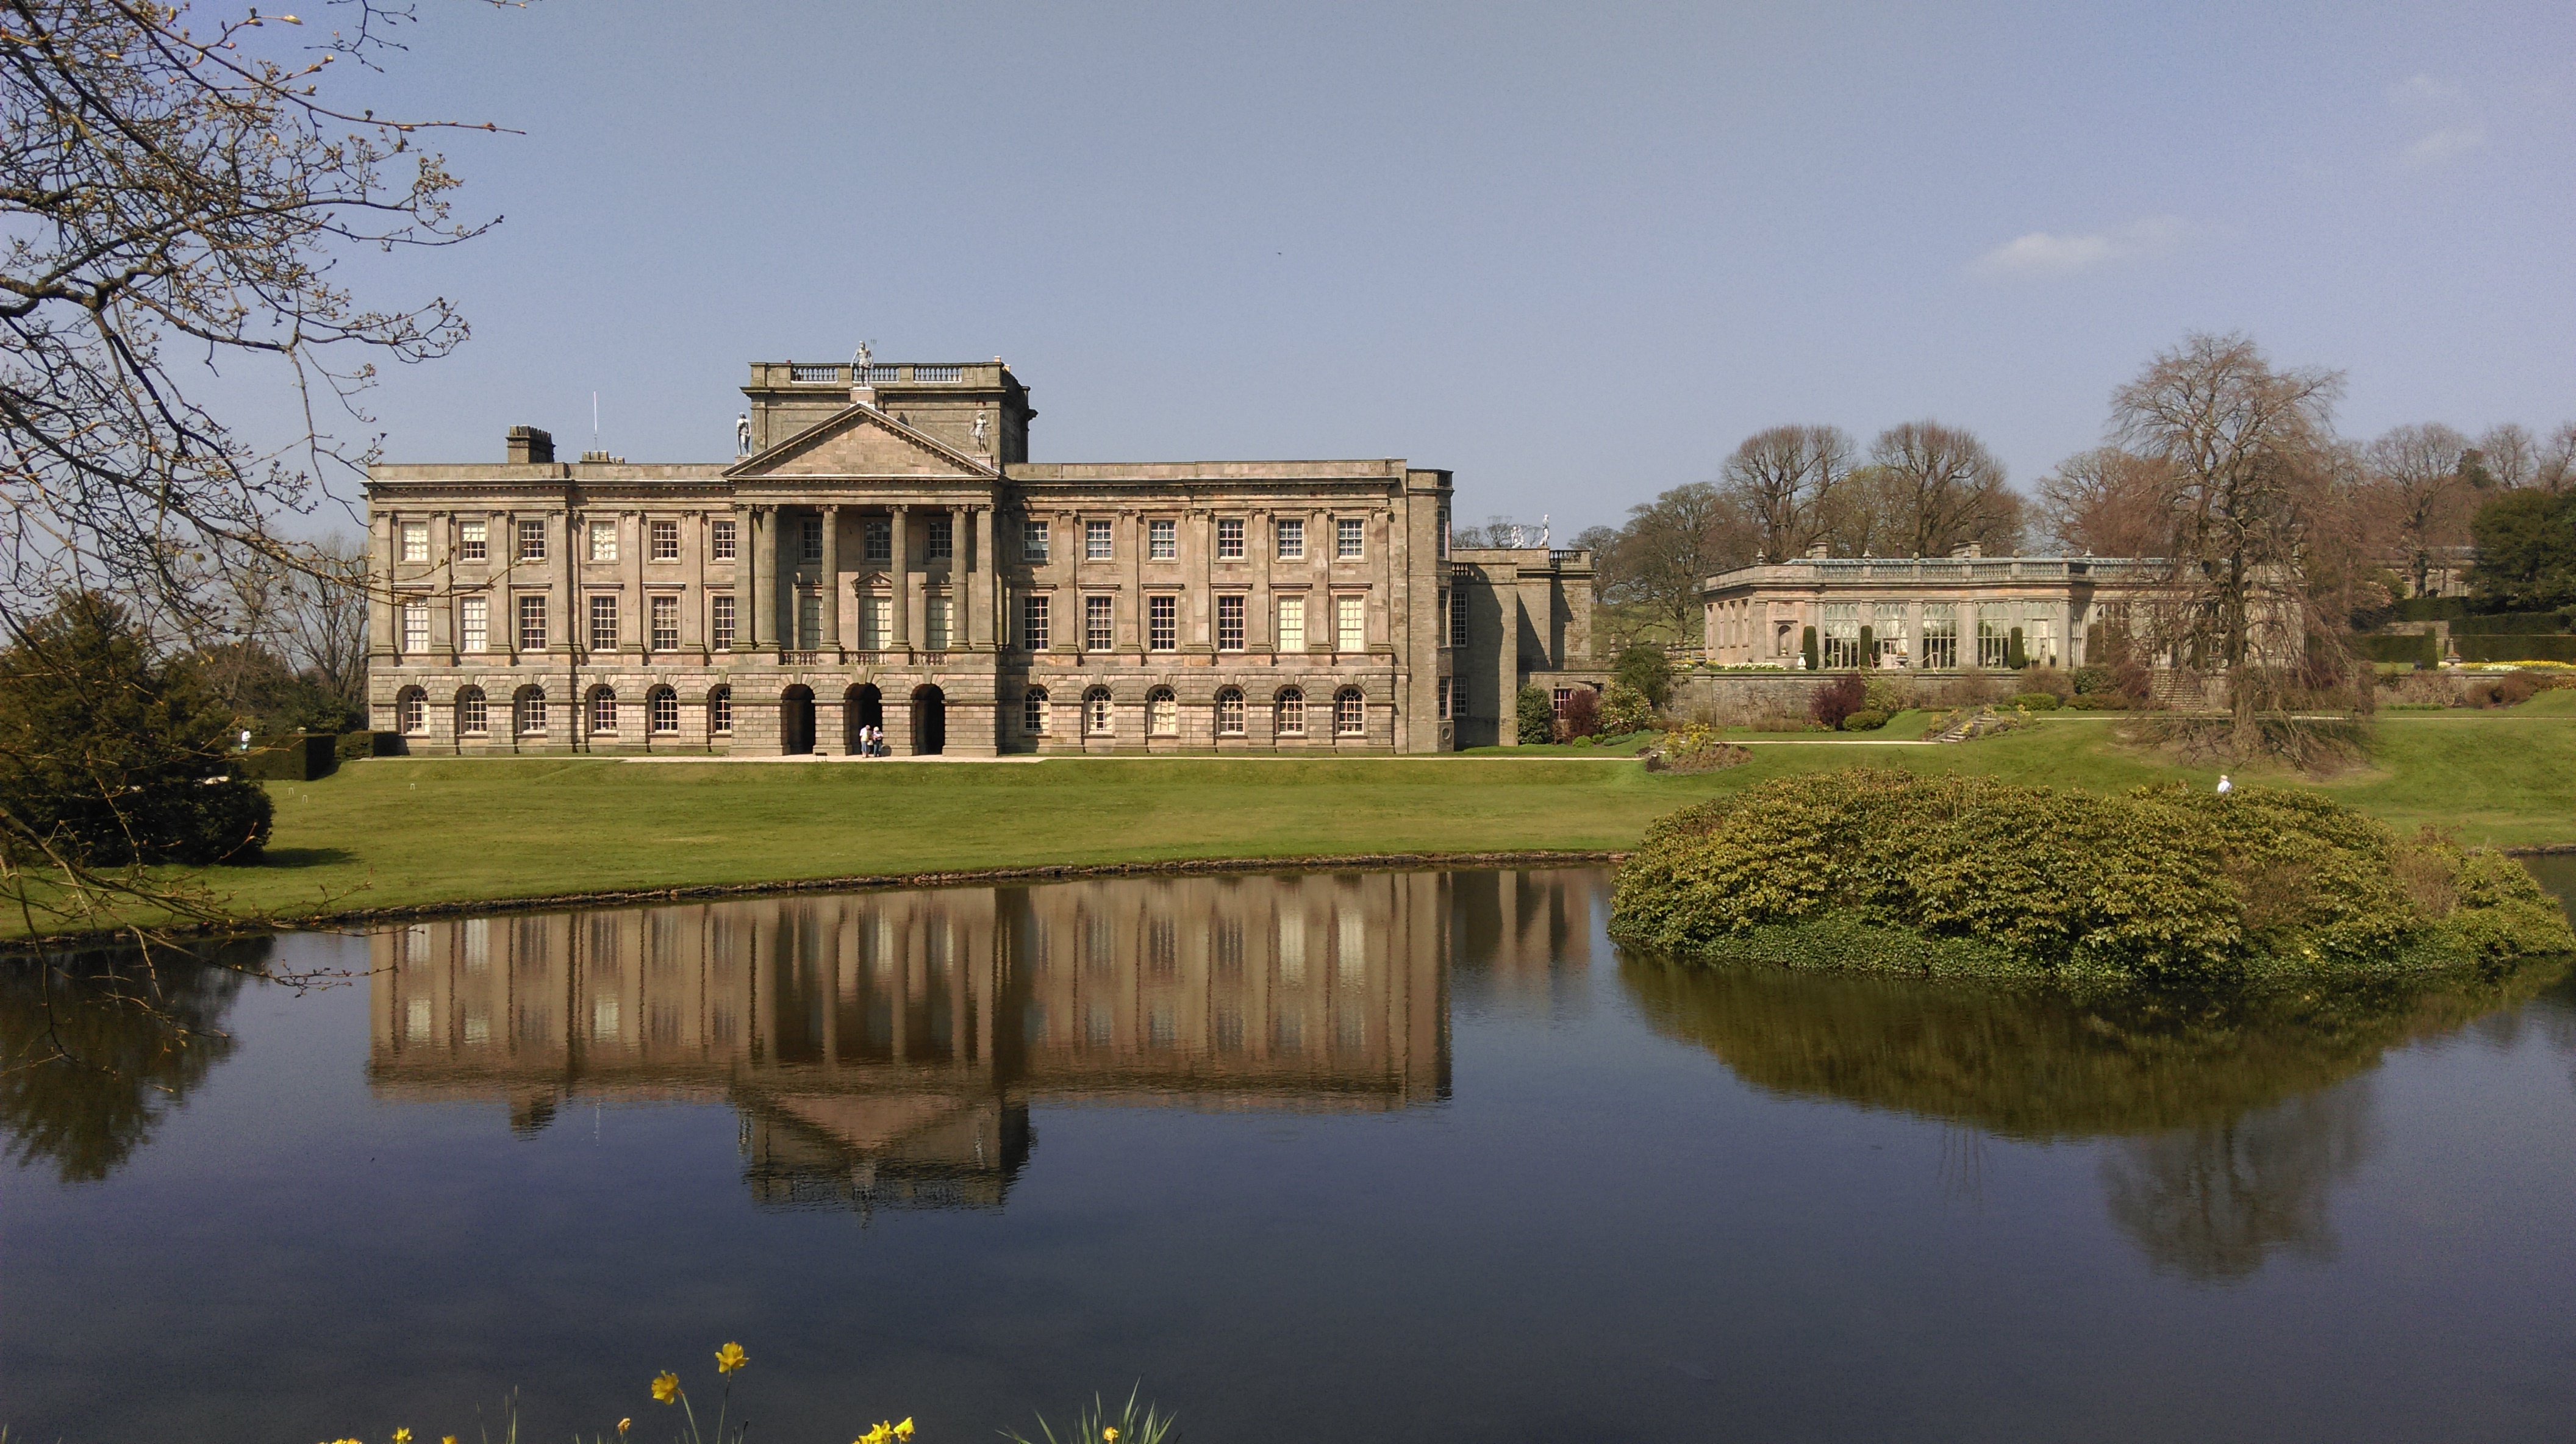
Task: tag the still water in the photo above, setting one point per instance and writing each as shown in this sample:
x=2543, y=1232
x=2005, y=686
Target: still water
x=1390, y=1156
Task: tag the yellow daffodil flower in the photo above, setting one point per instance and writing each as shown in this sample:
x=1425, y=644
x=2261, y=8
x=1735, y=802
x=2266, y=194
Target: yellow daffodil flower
x=904, y=1429
x=730, y=1358
x=623, y=1425
x=402, y=1436
x=877, y=1435
x=666, y=1387
x=1108, y=1436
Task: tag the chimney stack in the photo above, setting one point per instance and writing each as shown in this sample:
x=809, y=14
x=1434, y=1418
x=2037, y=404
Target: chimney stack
x=530, y=446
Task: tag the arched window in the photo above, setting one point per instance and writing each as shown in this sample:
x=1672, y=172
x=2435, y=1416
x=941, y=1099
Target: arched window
x=1292, y=713
x=603, y=712
x=662, y=710
x=1229, y=712
x=1095, y=711
x=1350, y=713
x=411, y=712
x=473, y=713
x=531, y=707
x=720, y=710
x=1162, y=713
x=1033, y=711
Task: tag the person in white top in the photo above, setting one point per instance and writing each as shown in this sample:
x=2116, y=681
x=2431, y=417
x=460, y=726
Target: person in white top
x=2224, y=786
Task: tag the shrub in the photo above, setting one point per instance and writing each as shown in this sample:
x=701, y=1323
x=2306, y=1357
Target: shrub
x=2015, y=656
x=1534, y=717
x=2035, y=701
x=2088, y=681
x=2163, y=883
x=1644, y=669
x=1888, y=694
x=1807, y=647
x=2097, y=702
x=1624, y=709
x=1696, y=748
x=1582, y=714
x=2055, y=683
x=1837, y=700
x=1867, y=719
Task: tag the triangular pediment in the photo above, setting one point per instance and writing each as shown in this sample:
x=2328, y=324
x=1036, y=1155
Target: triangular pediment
x=860, y=442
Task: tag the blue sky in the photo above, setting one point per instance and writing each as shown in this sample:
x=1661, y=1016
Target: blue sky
x=1574, y=253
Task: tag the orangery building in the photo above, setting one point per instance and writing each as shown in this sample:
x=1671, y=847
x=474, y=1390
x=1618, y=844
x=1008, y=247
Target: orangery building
x=882, y=554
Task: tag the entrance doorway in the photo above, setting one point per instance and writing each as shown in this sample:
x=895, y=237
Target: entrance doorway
x=929, y=721
x=796, y=721
x=862, y=707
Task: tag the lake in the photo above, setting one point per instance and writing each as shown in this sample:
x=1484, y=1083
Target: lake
x=1376, y=1156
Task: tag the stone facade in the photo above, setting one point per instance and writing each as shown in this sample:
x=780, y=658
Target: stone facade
x=1932, y=614
x=885, y=553
x=1525, y=619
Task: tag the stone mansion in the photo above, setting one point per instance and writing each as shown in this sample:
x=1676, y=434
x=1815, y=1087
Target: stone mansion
x=881, y=552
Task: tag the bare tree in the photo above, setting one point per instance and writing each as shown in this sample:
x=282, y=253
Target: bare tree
x=2508, y=454
x=1947, y=488
x=2108, y=503
x=1674, y=543
x=2555, y=468
x=2239, y=442
x=324, y=618
x=1783, y=481
x=2426, y=499
x=173, y=203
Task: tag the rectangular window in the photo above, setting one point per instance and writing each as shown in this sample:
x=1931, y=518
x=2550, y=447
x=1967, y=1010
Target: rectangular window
x=1444, y=535
x=666, y=624
x=1229, y=623
x=1941, y=635
x=1095, y=541
x=415, y=627
x=1350, y=624
x=1033, y=711
x=1991, y=640
x=1456, y=605
x=934, y=622
x=943, y=539
x=1229, y=539
x=1559, y=699
x=720, y=623
x=603, y=541
x=1350, y=538
x=876, y=539
x=1292, y=539
x=1444, y=699
x=1033, y=623
x=809, y=538
x=474, y=541
x=1887, y=633
x=666, y=541
x=809, y=621
x=476, y=613
x=532, y=624
x=603, y=624
x=415, y=541
x=1163, y=623
x=1033, y=542
x=1292, y=624
x=1838, y=636
x=721, y=541
x=1099, y=633
x=1162, y=540
x=532, y=541
x=876, y=623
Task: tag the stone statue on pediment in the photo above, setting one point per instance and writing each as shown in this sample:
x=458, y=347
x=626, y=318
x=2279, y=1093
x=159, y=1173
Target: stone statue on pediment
x=742, y=434
x=859, y=361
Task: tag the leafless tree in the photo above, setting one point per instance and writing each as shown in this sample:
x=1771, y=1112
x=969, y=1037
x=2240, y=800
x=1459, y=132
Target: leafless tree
x=1783, y=481
x=2239, y=442
x=1947, y=488
x=172, y=204
x=2555, y=468
x=2426, y=499
x=1671, y=545
x=323, y=626
x=2508, y=454
x=2108, y=503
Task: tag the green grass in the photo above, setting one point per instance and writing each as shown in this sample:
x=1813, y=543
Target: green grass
x=401, y=832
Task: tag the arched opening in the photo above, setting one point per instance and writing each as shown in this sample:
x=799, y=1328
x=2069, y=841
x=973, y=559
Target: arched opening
x=1095, y=712
x=1350, y=713
x=473, y=713
x=929, y=721
x=411, y=712
x=862, y=707
x=1162, y=713
x=662, y=712
x=1229, y=712
x=528, y=709
x=796, y=721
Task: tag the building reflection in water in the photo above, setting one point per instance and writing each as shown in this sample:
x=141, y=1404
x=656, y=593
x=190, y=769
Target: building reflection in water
x=883, y=1049
x=1522, y=941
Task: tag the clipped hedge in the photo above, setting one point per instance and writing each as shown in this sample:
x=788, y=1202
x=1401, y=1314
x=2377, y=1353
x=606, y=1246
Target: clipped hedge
x=293, y=758
x=2558, y=648
x=2420, y=649
x=2510, y=624
x=1970, y=876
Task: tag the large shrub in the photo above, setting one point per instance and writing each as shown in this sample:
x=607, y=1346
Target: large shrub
x=1534, y=717
x=1974, y=874
x=1838, y=699
x=1582, y=715
x=1624, y=709
x=1643, y=667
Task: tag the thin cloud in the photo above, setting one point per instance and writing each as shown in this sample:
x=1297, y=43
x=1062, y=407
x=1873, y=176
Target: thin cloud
x=2046, y=253
x=2422, y=89
x=2449, y=142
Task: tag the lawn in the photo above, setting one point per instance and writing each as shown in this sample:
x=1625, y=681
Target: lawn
x=395, y=832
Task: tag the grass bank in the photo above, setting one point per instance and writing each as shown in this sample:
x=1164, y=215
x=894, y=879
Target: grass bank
x=401, y=832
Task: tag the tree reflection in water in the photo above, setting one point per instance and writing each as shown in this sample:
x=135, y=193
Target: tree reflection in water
x=2234, y=1112
x=96, y=1049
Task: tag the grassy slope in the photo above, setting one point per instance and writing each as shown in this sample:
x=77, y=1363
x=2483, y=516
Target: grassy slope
x=394, y=832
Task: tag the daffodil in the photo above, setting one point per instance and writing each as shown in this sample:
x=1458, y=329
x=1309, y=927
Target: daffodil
x=877, y=1435
x=1108, y=1436
x=730, y=1358
x=623, y=1425
x=402, y=1436
x=904, y=1429
x=666, y=1387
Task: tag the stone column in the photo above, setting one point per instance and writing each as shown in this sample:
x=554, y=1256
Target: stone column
x=762, y=555
x=381, y=617
x=831, y=638
x=981, y=634
x=567, y=576
x=900, y=570
x=632, y=531
x=746, y=545
x=960, y=634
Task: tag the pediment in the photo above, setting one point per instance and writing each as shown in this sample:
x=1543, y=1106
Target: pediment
x=860, y=442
